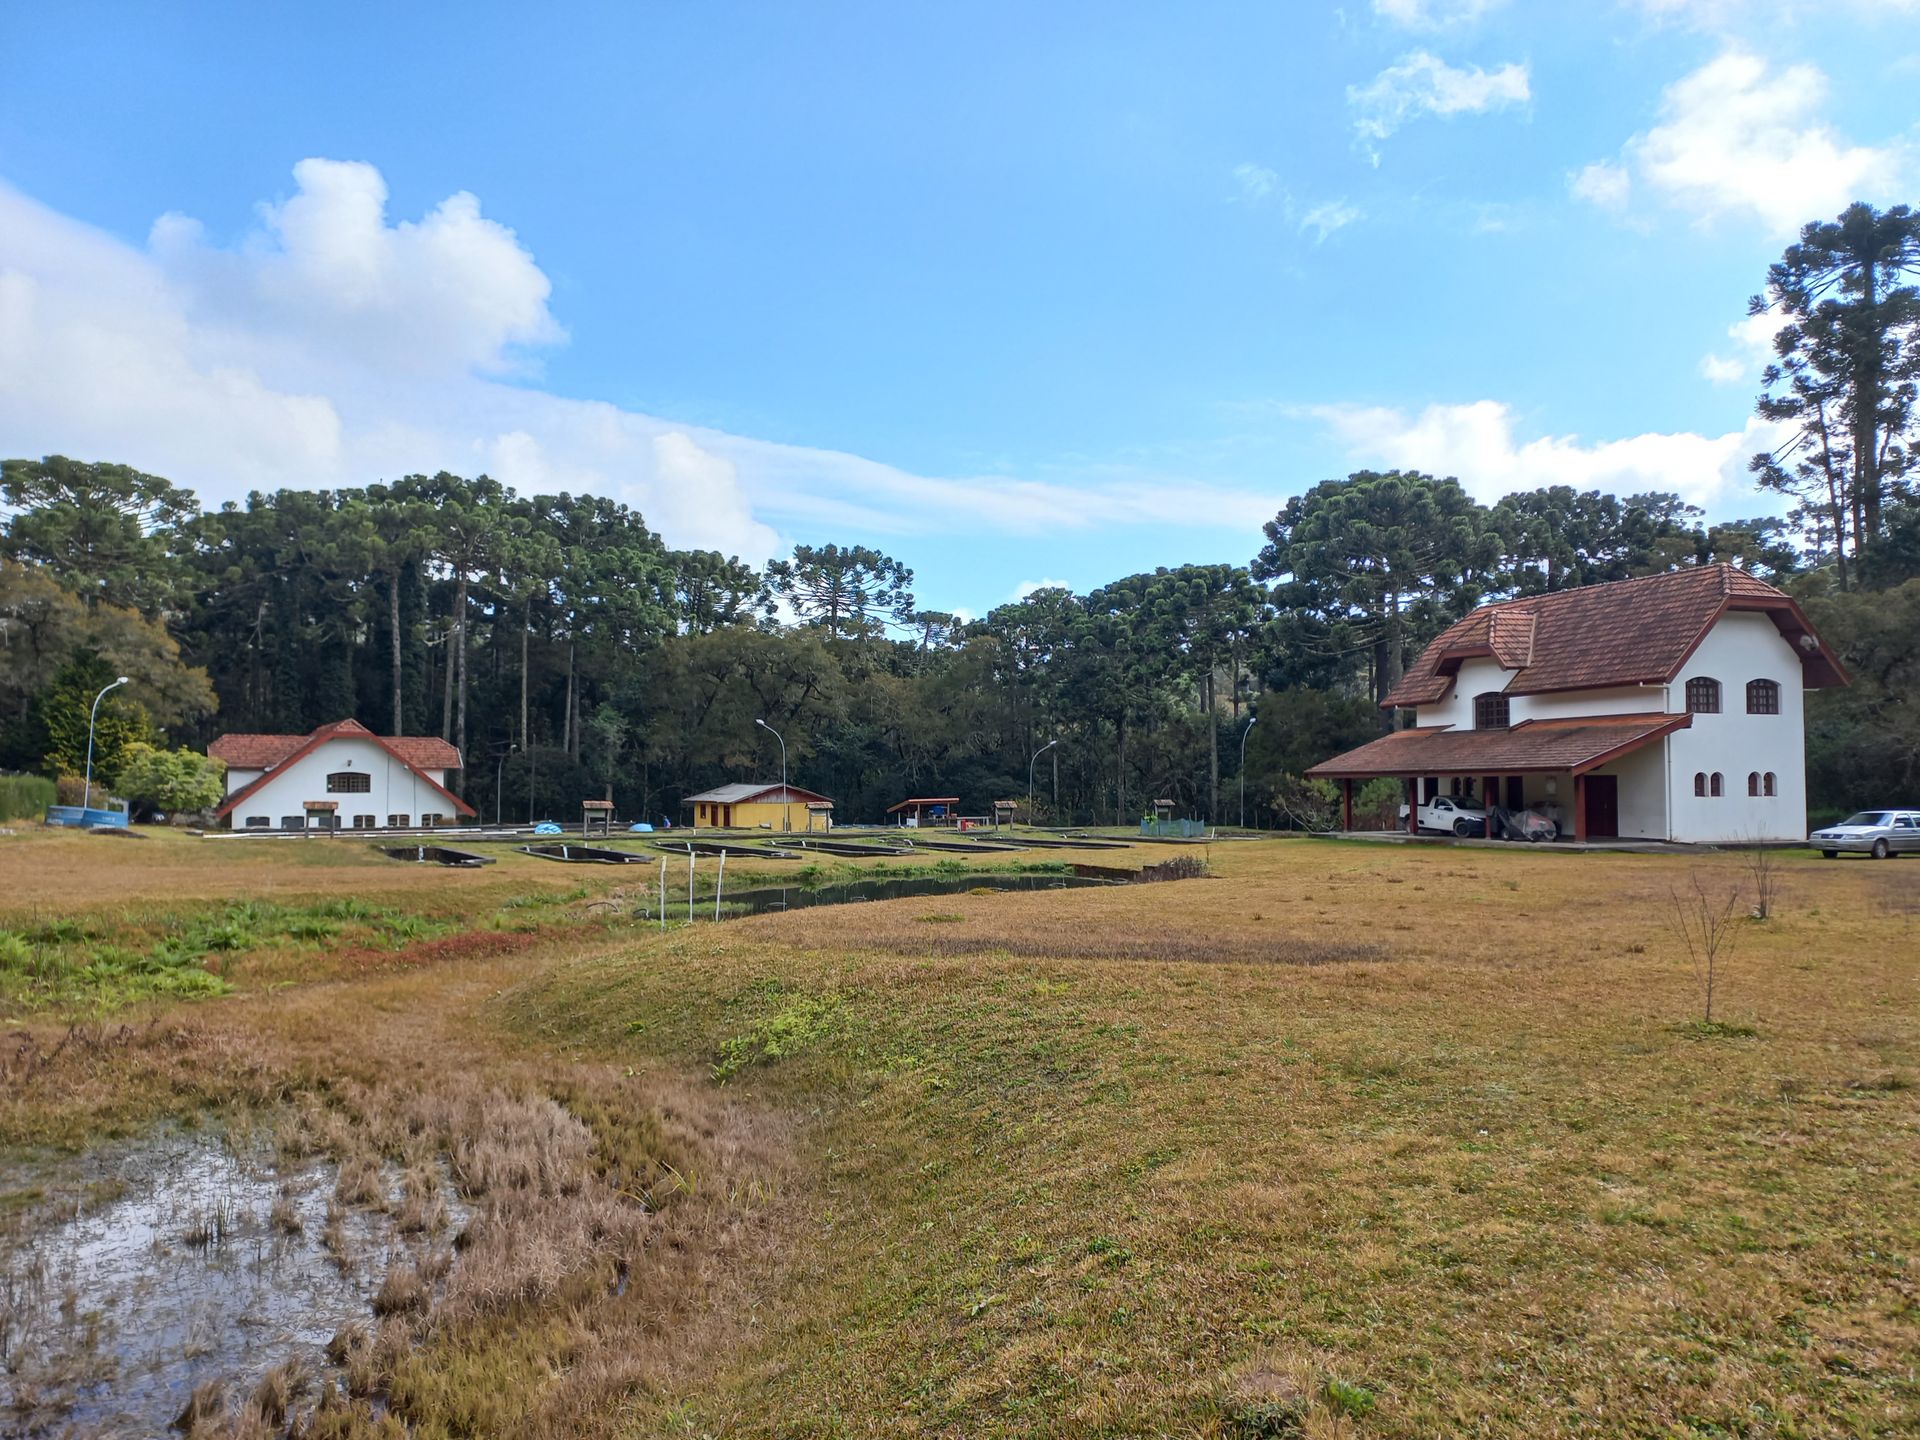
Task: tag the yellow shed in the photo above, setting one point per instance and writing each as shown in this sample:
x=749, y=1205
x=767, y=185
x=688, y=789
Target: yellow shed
x=761, y=807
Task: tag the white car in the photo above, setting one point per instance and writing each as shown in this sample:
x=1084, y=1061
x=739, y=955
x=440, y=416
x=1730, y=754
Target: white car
x=1449, y=816
x=1879, y=833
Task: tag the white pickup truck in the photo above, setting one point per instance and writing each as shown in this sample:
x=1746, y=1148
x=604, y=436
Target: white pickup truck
x=1449, y=816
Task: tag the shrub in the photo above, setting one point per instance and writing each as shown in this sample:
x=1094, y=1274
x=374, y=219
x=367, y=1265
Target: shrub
x=170, y=780
x=1349, y=1398
x=26, y=797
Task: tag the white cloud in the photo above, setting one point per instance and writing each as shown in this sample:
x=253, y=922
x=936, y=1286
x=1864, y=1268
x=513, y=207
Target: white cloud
x=1738, y=138
x=1326, y=218
x=1477, y=443
x=1423, y=84
x=1256, y=182
x=1028, y=587
x=1753, y=346
x=1601, y=183
x=335, y=347
x=1433, y=14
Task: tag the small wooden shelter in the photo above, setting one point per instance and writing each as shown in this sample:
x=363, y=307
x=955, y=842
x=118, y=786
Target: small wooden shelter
x=596, y=817
x=926, y=812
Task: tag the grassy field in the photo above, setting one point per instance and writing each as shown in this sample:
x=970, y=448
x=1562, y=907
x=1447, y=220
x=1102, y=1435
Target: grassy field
x=1346, y=1139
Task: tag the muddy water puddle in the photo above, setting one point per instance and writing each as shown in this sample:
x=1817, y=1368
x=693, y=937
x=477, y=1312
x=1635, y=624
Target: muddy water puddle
x=182, y=1258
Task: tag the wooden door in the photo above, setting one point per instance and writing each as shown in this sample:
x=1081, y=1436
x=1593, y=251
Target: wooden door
x=1603, y=807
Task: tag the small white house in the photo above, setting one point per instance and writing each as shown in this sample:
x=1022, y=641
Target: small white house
x=1668, y=707
x=342, y=776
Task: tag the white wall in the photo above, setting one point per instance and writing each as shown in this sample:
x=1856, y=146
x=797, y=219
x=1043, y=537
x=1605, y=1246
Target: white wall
x=1478, y=676
x=1643, y=792
x=1743, y=646
x=394, y=789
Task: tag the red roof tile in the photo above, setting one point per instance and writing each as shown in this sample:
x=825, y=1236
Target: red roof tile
x=263, y=752
x=1627, y=632
x=1575, y=745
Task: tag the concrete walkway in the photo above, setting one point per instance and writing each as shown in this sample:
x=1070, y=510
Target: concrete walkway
x=1556, y=847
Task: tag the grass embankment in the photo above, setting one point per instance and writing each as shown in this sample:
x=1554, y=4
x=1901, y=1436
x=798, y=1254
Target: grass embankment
x=1351, y=1140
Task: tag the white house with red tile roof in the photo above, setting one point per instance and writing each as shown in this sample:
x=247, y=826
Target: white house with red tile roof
x=1667, y=707
x=342, y=776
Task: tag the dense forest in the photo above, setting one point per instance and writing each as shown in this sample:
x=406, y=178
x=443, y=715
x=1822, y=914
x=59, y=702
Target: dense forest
x=568, y=650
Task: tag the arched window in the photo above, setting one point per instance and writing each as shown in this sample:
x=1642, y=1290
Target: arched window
x=1753, y=782
x=1769, y=785
x=1703, y=696
x=1716, y=786
x=1491, y=711
x=1700, y=782
x=1763, y=697
x=349, y=782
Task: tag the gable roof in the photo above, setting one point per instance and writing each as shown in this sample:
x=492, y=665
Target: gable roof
x=743, y=794
x=1625, y=632
x=1577, y=744
x=263, y=752
x=339, y=730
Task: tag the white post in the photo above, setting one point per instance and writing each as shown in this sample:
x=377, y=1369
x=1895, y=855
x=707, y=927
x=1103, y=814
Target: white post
x=689, y=887
x=719, y=884
x=663, y=892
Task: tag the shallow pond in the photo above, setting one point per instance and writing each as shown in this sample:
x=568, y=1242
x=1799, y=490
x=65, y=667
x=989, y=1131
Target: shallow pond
x=761, y=900
x=175, y=1260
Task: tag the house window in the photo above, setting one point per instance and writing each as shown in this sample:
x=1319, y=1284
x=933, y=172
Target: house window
x=259, y=822
x=399, y=822
x=293, y=822
x=1763, y=697
x=429, y=820
x=363, y=822
x=1700, y=783
x=349, y=782
x=1716, y=785
x=1703, y=696
x=1769, y=785
x=1491, y=711
x=1753, y=782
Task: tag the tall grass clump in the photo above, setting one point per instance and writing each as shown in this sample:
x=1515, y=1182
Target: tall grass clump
x=25, y=797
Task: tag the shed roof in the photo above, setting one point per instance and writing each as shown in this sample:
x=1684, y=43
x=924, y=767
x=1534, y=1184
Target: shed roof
x=746, y=793
x=1576, y=744
x=924, y=800
x=1625, y=632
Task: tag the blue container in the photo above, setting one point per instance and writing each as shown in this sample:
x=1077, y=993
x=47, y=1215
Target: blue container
x=86, y=818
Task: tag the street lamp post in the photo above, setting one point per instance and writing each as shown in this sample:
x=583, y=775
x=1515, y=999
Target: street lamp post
x=86, y=794
x=499, y=771
x=786, y=800
x=1030, y=764
x=1243, y=769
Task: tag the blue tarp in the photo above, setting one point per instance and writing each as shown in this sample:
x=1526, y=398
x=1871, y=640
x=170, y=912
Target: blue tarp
x=87, y=818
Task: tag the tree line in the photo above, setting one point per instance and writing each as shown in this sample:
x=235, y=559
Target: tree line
x=568, y=651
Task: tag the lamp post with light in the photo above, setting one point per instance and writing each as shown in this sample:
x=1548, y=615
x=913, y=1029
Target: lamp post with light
x=1030, y=764
x=1243, y=769
x=786, y=800
x=86, y=794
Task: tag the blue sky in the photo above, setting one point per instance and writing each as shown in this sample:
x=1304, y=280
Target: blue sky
x=1016, y=293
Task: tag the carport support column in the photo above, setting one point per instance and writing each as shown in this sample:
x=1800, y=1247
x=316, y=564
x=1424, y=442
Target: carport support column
x=1413, y=805
x=1580, y=808
x=1346, y=805
x=1489, y=787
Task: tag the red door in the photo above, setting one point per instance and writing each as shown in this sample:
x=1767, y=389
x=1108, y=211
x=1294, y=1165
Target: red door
x=1603, y=807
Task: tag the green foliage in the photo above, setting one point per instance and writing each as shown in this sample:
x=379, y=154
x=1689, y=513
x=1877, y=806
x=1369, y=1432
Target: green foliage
x=63, y=711
x=796, y=1022
x=1349, y=1398
x=25, y=797
x=170, y=780
x=105, y=532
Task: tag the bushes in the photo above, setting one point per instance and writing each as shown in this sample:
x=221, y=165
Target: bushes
x=25, y=797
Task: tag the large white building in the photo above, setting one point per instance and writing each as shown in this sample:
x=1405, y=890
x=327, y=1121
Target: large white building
x=342, y=776
x=1668, y=707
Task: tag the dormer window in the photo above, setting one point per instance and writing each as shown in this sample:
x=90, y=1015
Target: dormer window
x=1703, y=696
x=1763, y=697
x=1491, y=711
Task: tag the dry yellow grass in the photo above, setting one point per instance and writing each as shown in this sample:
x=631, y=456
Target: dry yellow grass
x=1347, y=1140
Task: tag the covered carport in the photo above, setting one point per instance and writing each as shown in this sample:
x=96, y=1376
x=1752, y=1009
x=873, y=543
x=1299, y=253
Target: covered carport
x=1584, y=758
